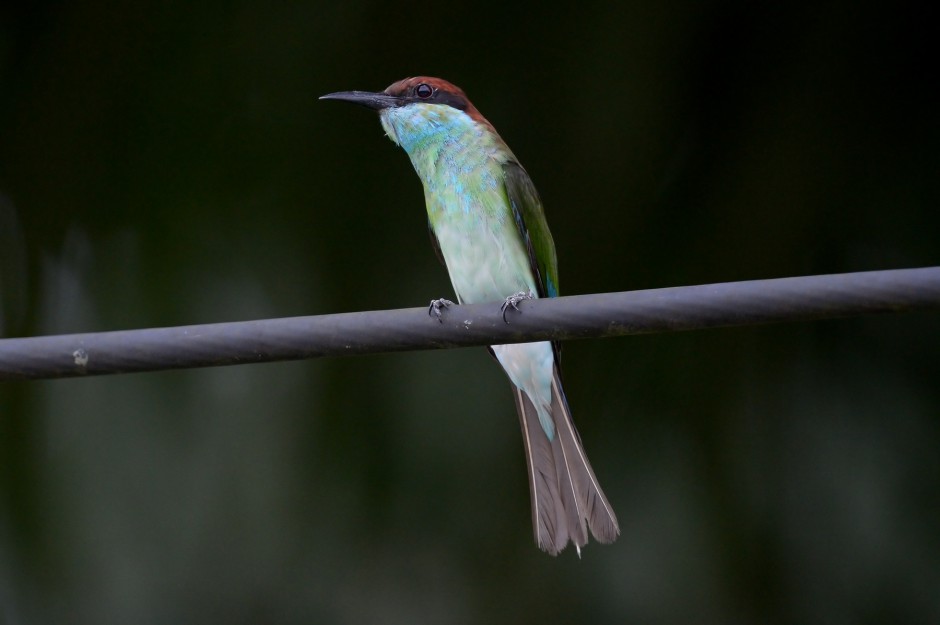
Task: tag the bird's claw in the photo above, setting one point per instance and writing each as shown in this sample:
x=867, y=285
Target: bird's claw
x=513, y=302
x=434, y=310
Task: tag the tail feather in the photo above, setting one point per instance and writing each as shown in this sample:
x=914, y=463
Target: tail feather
x=566, y=498
x=595, y=508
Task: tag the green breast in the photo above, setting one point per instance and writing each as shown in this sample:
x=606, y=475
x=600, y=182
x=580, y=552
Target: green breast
x=460, y=163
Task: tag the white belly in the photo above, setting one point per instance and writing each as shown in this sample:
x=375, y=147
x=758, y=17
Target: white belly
x=486, y=260
x=487, y=263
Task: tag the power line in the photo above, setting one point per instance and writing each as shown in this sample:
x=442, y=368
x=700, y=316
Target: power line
x=563, y=318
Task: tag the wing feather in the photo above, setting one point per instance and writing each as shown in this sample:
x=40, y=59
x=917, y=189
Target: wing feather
x=533, y=228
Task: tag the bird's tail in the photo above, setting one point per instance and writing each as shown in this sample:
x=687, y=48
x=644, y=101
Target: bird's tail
x=566, y=498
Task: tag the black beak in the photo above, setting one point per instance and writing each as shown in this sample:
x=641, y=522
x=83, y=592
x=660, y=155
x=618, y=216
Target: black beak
x=376, y=101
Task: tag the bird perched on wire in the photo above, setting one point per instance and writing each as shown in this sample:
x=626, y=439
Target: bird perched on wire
x=489, y=228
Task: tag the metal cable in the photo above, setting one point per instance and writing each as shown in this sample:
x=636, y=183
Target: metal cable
x=562, y=318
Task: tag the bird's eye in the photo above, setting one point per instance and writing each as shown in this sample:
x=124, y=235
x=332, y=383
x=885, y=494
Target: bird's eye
x=424, y=91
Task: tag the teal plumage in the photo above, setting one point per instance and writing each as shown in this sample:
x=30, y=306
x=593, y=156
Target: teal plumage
x=487, y=221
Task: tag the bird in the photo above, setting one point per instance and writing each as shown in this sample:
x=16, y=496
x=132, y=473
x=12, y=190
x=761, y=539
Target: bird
x=488, y=226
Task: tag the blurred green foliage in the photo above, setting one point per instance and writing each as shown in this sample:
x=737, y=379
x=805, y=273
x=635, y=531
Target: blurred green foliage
x=166, y=163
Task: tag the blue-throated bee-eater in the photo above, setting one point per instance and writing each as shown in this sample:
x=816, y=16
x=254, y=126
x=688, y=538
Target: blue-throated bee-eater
x=488, y=226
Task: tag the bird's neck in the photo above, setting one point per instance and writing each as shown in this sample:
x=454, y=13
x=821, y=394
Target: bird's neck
x=444, y=143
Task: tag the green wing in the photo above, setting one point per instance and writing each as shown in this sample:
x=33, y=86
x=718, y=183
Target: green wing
x=530, y=220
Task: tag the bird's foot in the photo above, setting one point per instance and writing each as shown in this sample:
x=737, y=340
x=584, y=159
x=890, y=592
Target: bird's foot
x=513, y=302
x=437, y=305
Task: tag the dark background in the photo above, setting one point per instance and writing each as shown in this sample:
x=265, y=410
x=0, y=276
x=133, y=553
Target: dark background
x=167, y=163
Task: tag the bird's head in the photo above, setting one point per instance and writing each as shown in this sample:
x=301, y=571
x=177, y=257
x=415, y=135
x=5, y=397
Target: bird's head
x=418, y=107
